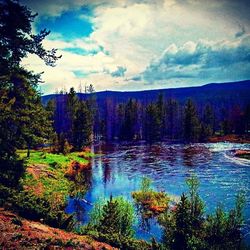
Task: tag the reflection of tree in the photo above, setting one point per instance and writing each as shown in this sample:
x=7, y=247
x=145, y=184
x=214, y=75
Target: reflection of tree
x=144, y=221
x=188, y=156
x=106, y=172
x=79, y=210
x=171, y=156
x=82, y=182
x=192, y=155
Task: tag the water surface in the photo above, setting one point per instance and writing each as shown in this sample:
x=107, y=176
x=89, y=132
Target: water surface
x=119, y=169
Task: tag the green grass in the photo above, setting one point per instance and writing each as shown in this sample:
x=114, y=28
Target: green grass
x=39, y=157
x=52, y=183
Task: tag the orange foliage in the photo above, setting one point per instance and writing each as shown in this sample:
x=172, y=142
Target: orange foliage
x=86, y=149
x=85, y=153
x=75, y=167
x=157, y=209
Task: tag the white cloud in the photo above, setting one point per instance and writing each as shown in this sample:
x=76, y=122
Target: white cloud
x=135, y=34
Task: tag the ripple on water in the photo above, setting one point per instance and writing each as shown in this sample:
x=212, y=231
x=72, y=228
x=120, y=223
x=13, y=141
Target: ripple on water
x=221, y=175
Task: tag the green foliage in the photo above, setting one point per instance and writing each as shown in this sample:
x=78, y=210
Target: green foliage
x=187, y=227
x=223, y=229
x=112, y=221
x=146, y=184
x=16, y=38
x=116, y=218
x=23, y=119
x=153, y=123
x=11, y=170
x=191, y=122
x=149, y=203
x=72, y=104
x=129, y=122
x=32, y=207
x=82, y=127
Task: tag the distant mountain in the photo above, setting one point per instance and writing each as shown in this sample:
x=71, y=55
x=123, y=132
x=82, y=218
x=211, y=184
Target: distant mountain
x=217, y=94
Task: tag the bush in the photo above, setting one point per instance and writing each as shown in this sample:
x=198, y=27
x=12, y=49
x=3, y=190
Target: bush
x=36, y=208
x=187, y=227
x=149, y=202
x=116, y=216
x=11, y=170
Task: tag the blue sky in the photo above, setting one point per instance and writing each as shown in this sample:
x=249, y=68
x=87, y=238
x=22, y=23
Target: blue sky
x=143, y=44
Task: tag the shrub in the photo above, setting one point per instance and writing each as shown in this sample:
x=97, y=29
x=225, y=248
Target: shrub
x=149, y=202
x=116, y=216
x=32, y=207
x=187, y=227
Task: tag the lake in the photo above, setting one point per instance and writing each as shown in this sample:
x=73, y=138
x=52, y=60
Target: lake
x=120, y=166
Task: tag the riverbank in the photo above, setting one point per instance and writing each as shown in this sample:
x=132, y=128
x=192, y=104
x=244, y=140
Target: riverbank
x=55, y=176
x=19, y=233
x=230, y=138
x=245, y=154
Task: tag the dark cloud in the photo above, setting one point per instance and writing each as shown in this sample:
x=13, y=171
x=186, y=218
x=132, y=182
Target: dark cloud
x=120, y=72
x=200, y=59
x=241, y=32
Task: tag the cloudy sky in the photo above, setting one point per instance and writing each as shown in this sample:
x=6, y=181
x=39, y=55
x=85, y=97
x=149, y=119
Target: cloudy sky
x=143, y=44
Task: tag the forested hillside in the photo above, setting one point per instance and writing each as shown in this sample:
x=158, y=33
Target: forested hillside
x=163, y=114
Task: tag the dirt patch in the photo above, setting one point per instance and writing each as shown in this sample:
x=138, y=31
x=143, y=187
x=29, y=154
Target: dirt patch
x=18, y=233
x=37, y=170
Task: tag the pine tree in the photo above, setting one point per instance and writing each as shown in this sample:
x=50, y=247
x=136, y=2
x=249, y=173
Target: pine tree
x=82, y=127
x=161, y=108
x=183, y=224
x=23, y=119
x=109, y=224
x=153, y=123
x=72, y=103
x=128, y=127
x=191, y=123
x=172, y=119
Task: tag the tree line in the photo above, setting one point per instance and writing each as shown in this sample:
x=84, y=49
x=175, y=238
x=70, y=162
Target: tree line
x=163, y=119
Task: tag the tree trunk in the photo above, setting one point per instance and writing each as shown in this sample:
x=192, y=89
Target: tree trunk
x=28, y=152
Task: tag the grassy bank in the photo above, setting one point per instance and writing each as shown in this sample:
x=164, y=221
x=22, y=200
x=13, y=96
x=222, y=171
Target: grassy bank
x=47, y=175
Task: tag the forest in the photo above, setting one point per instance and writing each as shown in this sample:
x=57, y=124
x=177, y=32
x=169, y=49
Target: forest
x=45, y=158
x=164, y=119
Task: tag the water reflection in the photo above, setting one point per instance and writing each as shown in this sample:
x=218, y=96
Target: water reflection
x=106, y=170
x=119, y=168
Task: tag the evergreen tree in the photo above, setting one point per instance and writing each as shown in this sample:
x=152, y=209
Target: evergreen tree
x=183, y=224
x=191, y=122
x=17, y=39
x=128, y=128
x=247, y=119
x=207, y=124
x=153, y=123
x=82, y=127
x=161, y=108
x=71, y=107
x=117, y=217
x=172, y=119
x=23, y=119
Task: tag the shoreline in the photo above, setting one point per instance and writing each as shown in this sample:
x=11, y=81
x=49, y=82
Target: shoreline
x=230, y=138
